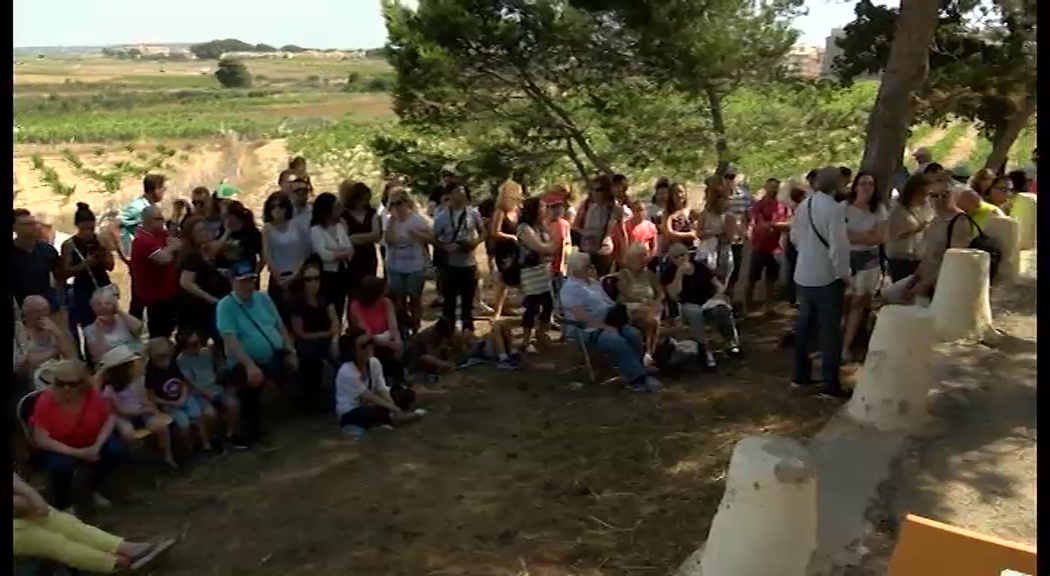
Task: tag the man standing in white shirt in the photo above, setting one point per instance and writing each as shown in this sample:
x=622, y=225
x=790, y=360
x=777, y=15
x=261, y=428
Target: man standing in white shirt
x=822, y=275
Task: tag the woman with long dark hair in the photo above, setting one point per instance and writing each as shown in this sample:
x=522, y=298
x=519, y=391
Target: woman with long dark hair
x=537, y=249
x=907, y=220
x=866, y=227
x=677, y=226
x=363, y=399
x=330, y=241
x=282, y=249
x=200, y=279
x=716, y=228
x=362, y=226
x=599, y=222
x=242, y=241
x=84, y=258
x=315, y=327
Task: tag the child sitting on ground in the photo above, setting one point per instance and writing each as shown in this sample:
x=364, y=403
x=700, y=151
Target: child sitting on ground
x=362, y=398
x=496, y=346
x=123, y=387
x=168, y=389
x=432, y=352
x=198, y=365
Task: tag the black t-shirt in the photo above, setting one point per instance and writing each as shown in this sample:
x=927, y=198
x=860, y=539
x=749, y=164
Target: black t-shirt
x=208, y=276
x=164, y=381
x=89, y=280
x=315, y=318
x=31, y=270
x=697, y=288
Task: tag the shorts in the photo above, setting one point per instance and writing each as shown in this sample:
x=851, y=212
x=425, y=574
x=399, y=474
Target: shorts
x=408, y=283
x=763, y=263
x=865, y=282
x=186, y=414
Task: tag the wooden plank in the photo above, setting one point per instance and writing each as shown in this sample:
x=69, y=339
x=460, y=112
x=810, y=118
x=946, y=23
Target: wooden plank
x=929, y=548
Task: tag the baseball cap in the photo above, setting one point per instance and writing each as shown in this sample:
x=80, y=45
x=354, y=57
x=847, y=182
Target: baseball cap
x=242, y=269
x=961, y=172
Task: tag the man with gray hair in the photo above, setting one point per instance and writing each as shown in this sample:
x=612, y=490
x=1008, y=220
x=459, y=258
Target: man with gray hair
x=587, y=307
x=822, y=275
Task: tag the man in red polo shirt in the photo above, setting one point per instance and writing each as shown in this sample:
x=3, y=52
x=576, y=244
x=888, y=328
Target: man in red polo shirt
x=770, y=219
x=155, y=278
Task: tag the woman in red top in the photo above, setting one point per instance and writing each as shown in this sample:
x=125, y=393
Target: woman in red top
x=374, y=313
x=73, y=429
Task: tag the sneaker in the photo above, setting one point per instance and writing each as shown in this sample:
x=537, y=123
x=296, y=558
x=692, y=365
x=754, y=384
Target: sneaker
x=803, y=384
x=834, y=392
x=384, y=427
x=238, y=443
x=483, y=308
x=507, y=364
x=647, y=360
x=709, y=361
x=100, y=501
x=652, y=384
x=733, y=351
x=353, y=431
x=150, y=554
x=419, y=412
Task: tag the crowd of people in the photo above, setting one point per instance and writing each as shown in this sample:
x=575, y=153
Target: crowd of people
x=185, y=365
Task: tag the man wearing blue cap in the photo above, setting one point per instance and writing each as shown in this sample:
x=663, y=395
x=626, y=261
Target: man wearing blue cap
x=258, y=345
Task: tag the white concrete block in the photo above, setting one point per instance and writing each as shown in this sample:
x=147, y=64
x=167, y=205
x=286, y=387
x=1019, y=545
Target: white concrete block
x=960, y=305
x=766, y=523
x=1008, y=232
x=892, y=386
x=1024, y=209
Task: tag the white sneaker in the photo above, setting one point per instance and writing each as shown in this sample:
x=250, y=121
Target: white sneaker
x=648, y=359
x=100, y=501
x=483, y=308
x=419, y=412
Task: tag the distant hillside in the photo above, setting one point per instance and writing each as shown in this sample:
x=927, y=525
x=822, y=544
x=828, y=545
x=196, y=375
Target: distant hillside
x=72, y=51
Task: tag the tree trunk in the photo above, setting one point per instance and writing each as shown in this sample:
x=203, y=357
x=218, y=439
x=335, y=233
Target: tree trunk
x=718, y=123
x=1007, y=134
x=573, y=131
x=570, y=150
x=905, y=72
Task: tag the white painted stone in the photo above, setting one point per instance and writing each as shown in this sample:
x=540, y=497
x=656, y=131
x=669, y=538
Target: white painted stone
x=1008, y=232
x=1024, y=210
x=892, y=386
x=960, y=302
x=767, y=522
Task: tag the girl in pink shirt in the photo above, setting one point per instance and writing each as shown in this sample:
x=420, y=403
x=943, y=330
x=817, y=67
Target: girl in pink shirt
x=641, y=230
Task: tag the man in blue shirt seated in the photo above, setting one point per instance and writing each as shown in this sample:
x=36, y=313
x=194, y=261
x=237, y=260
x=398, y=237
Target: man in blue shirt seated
x=258, y=345
x=586, y=307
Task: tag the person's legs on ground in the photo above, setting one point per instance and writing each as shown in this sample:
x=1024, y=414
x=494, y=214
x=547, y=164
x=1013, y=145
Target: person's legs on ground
x=804, y=326
x=624, y=347
x=695, y=319
x=469, y=286
x=736, y=252
x=414, y=297
x=62, y=538
x=772, y=269
x=160, y=425
x=249, y=399
x=365, y=416
x=791, y=258
x=722, y=318
x=60, y=470
x=449, y=293
x=531, y=309
x=828, y=315
x=543, y=320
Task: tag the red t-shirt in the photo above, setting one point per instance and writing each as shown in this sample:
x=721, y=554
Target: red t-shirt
x=643, y=232
x=767, y=210
x=152, y=282
x=560, y=230
x=74, y=428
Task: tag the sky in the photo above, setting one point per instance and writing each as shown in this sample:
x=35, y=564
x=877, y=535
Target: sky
x=308, y=23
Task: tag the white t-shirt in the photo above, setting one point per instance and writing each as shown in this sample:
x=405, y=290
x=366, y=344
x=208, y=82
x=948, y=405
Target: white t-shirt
x=404, y=254
x=858, y=220
x=349, y=385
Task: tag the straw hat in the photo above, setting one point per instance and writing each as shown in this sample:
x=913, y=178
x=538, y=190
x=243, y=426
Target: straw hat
x=116, y=356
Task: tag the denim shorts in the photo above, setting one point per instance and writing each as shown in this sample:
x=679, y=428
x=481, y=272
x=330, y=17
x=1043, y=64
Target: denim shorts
x=186, y=414
x=410, y=283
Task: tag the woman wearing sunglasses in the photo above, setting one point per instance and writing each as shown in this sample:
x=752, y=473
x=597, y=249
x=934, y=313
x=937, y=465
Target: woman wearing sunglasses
x=315, y=328
x=74, y=430
x=362, y=398
x=407, y=235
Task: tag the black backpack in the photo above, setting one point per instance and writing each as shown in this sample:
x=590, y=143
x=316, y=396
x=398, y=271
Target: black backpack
x=982, y=242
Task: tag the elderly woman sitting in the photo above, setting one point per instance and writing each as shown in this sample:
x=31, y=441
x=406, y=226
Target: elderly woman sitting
x=702, y=297
x=591, y=314
x=42, y=532
x=44, y=339
x=73, y=430
x=112, y=326
x=638, y=288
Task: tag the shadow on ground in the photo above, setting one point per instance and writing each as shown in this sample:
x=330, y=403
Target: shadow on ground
x=511, y=473
x=978, y=472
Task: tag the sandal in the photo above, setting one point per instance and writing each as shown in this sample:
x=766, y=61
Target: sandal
x=150, y=554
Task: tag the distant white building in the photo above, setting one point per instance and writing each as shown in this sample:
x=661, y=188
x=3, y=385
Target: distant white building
x=831, y=51
x=805, y=61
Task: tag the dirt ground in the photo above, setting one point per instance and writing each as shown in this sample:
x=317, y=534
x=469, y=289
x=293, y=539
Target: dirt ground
x=511, y=473
x=979, y=472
